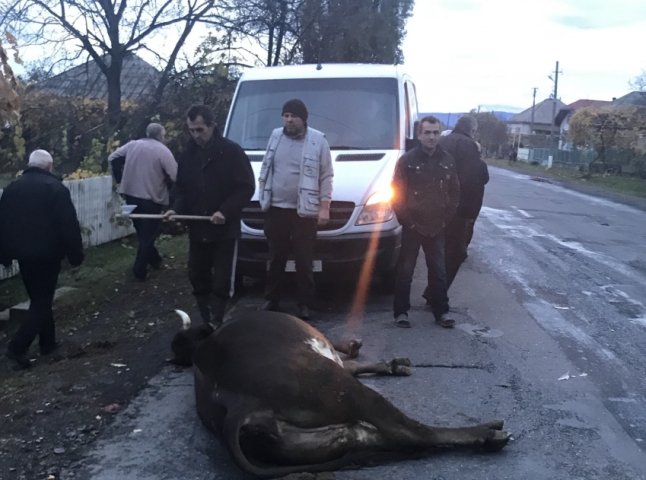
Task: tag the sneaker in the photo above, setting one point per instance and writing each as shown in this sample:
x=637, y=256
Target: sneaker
x=158, y=264
x=401, y=320
x=444, y=321
x=21, y=362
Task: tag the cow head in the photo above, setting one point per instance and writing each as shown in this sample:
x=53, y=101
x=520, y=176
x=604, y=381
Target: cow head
x=186, y=340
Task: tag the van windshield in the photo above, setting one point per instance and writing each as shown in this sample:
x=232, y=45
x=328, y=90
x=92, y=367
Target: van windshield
x=354, y=113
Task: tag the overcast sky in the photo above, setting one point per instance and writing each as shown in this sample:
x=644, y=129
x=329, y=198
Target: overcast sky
x=466, y=53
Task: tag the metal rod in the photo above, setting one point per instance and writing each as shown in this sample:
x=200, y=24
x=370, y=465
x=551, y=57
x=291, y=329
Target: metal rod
x=159, y=216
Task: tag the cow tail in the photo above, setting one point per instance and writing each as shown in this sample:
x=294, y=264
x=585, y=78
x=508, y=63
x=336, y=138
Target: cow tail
x=231, y=433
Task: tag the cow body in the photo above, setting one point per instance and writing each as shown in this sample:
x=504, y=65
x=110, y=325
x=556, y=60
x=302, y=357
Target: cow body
x=277, y=391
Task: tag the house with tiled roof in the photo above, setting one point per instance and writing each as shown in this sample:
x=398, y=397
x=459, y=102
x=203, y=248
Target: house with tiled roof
x=563, y=116
x=535, y=120
x=632, y=99
x=138, y=80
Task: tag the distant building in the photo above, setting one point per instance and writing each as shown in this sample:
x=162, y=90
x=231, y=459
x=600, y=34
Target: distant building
x=537, y=120
x=138, y=80
x=632, y=99
x=563, y=116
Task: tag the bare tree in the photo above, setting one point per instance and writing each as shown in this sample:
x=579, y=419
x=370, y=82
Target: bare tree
x=270, y=24
x=639, y=82
x=106, y=31
x=324, y=30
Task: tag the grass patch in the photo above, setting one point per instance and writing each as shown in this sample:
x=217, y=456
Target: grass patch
x=624, y=184
x=103, y=266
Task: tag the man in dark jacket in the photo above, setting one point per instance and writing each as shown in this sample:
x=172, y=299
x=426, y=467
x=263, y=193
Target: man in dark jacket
x=215, y=179
x=38, y=227
x=426, y=195
x=473, y=175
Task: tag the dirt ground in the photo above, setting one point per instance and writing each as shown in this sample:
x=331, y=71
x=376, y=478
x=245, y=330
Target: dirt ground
x=112, y=343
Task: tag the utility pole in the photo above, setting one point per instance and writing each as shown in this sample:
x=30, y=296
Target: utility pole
x=531, y=126
x=554, y=97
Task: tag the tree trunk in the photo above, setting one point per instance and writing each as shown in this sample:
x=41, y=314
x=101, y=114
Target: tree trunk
x=113, y=77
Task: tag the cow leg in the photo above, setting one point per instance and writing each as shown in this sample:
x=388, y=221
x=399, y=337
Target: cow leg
x=401, y=432
x=349, y=347
x=397, y=367
x=488, y=436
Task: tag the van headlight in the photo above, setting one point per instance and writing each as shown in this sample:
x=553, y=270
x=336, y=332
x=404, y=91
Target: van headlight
x=377, y=208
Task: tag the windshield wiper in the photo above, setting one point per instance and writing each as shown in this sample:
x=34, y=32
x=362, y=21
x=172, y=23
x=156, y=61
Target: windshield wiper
x=346, y=147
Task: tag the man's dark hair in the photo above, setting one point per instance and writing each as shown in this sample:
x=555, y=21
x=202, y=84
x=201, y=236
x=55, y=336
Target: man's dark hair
x=203, y=111
x=466, y=124
x=427, y=119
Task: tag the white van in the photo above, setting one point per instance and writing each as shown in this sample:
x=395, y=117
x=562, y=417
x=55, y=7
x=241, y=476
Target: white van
x=367, y=113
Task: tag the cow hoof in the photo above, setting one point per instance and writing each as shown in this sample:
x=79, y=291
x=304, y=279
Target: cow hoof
x=355, y=345
x=401, y=367
x=497, y=441
x=402, y=371
x=403, y=361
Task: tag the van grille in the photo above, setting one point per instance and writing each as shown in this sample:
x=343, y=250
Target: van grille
x=340, y=213
x=359, y=157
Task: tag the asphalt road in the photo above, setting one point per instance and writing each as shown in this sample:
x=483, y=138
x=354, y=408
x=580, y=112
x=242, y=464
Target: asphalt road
x=551, y=337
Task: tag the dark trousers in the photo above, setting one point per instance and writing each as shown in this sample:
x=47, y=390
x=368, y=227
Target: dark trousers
x=40, y=280
x=147, y=232
x=433, y=248
x=456, y=247
x=286, y=232
x=210, y=266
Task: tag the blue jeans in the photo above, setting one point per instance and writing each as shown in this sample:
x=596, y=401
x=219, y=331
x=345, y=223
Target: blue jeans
x=435, y=263
x=147, y=232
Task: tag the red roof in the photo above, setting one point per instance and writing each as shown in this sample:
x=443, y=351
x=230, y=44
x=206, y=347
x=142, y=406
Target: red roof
x=584, y=103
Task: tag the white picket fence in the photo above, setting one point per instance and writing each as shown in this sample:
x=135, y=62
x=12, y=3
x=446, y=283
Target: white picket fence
x=97, y=206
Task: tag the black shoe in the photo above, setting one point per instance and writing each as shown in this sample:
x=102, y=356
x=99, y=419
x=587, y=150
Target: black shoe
x=444, y=321
x=270, y=306
x=303, y=312
x=158, y=264
x=139, y=275
x=48, y=350
x=21, y=362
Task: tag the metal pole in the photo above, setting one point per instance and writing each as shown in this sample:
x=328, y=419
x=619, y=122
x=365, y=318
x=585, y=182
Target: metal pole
x=531, y=126
x=554, y=97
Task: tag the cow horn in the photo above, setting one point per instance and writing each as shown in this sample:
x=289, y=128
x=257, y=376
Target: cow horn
x=186, y=320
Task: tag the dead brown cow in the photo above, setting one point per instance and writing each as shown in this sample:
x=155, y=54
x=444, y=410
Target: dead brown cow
x=278, y=393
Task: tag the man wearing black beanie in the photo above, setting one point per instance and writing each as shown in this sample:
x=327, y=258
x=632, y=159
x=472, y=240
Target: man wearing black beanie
x=295, y=191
